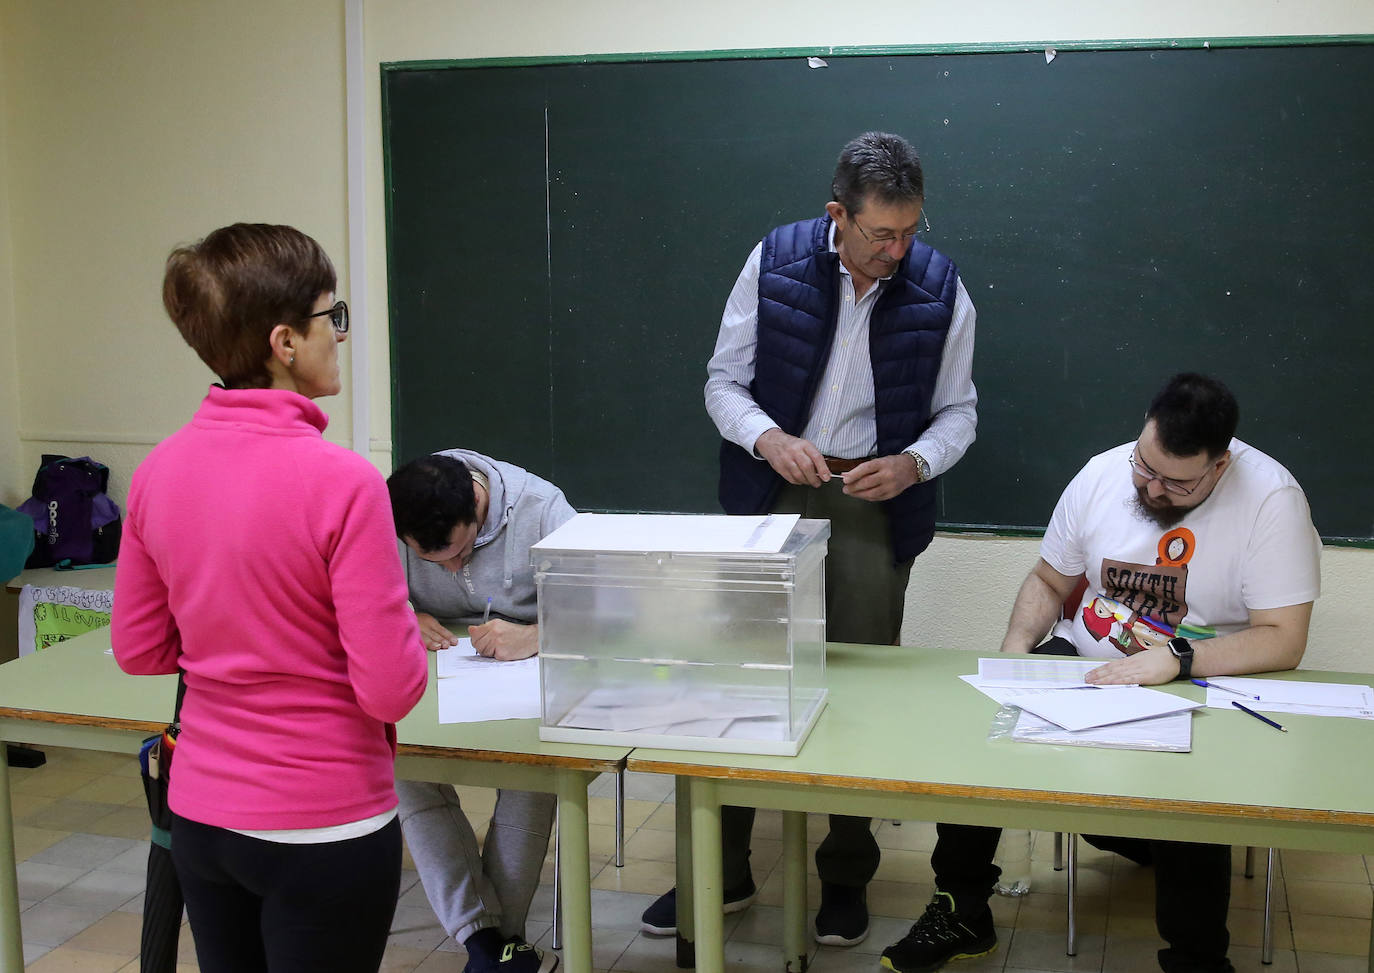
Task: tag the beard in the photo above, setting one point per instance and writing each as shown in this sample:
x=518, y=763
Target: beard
x=1162, y=516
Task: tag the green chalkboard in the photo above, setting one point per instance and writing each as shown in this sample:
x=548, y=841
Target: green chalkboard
x=562, y=238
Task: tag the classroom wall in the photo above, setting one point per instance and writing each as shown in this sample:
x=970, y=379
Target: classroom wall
x=126, y=128
x=132, y=127
x=9, y=364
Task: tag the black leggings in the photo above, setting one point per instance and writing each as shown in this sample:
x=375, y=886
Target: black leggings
x=259, y=905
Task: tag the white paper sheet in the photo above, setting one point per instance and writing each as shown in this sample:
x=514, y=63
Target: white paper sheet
x=1008, y=694
x=1172, y=733
x=1294, y=696
x=1031, y=672
x=473, y=689
x=459, y=658
x=672, y=533
x=607, y=709
x=1079, y=709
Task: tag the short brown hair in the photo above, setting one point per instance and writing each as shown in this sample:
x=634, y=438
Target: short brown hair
x=227, y=292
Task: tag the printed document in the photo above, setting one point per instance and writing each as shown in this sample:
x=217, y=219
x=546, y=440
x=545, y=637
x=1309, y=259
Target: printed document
x=473, y=688
x=1293, y=696
x=1034, y=672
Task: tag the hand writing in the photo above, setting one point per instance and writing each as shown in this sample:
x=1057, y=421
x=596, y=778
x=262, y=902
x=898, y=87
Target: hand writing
x=504, y=641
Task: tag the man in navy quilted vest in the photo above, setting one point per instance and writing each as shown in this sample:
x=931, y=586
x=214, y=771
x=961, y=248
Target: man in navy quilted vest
x=842, y=387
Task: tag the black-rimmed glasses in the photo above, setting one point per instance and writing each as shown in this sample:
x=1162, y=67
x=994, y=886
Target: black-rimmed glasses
x=338, y=316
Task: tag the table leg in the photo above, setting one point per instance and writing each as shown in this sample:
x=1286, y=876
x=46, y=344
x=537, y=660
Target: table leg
x=708, y=889
x=11, y=936
x=794, y=891
x=574, y=865
x=686, y=946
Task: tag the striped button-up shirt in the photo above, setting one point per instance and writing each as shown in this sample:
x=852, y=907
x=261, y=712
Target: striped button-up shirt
x=842, y=419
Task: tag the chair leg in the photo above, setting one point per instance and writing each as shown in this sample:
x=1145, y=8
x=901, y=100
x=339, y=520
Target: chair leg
x=1249, y=861
x=620, y=818
x=1072, y=862
x=1058, y=851
x=556, y=938
x=1267, y=950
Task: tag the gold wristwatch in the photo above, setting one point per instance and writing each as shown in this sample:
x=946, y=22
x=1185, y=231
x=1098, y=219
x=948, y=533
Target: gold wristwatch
x=922, y=467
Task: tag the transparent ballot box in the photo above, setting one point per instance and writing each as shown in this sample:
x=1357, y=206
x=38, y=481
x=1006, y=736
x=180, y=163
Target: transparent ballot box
x=682, y=632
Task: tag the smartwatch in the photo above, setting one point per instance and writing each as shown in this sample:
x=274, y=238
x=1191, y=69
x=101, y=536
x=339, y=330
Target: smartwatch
x=1182, y=650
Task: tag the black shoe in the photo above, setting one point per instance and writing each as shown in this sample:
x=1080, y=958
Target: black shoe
x=939, y=936
x=660, y=919
x=843, y=916
x=514, y=956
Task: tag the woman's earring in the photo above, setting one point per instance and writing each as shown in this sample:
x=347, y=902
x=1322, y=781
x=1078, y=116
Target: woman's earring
x=292, y=362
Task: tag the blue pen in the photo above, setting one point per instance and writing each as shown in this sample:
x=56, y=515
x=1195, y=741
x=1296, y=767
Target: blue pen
x=1261, y=718
x=486, y=616
x=1225, y=689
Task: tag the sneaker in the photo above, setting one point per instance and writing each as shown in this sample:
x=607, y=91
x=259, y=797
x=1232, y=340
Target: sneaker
x=842, y=919
x=940, y=935
x=660, y=919
x=515, y=956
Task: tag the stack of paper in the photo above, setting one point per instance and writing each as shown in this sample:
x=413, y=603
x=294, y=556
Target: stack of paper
x=1059, y=707
x=1292, y=696
x=1173, y=733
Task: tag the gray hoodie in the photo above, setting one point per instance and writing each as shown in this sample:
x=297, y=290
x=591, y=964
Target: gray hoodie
x=523, y=510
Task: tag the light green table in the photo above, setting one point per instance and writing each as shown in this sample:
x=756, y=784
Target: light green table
x=74, y=695
x=903, y=738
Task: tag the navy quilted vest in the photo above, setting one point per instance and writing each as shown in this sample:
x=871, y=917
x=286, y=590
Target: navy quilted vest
x=798, y=307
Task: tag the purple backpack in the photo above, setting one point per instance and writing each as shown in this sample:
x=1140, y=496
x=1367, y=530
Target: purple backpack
x=73, y=519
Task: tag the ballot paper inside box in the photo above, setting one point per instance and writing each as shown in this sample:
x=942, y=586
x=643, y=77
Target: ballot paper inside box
x=681, y=649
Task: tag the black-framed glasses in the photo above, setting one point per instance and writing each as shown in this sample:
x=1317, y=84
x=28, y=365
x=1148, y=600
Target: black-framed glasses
x=1176, y=487
x=338, y=316
x=883, y=239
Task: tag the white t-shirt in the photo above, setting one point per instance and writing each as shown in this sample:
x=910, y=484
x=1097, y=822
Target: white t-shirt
x=1249, y=545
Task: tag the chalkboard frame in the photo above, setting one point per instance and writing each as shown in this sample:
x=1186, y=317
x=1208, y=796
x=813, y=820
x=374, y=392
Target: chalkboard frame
x=389, y=69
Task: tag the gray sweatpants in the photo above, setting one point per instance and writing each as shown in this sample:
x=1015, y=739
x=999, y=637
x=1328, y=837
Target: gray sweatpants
x=471, y=889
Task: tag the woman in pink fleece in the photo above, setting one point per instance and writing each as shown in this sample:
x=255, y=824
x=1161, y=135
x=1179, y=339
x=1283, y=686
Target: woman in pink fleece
x=261, y=560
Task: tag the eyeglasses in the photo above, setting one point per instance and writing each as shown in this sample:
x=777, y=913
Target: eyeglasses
x=883, y=239
x=1176, y=487
x=338, y=316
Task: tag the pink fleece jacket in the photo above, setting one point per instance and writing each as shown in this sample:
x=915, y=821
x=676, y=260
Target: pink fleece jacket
x=262, y=560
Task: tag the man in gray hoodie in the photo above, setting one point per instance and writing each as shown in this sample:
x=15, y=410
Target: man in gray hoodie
x=468, y=522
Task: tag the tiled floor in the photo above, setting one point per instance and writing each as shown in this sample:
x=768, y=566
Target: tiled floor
x=81, y=833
